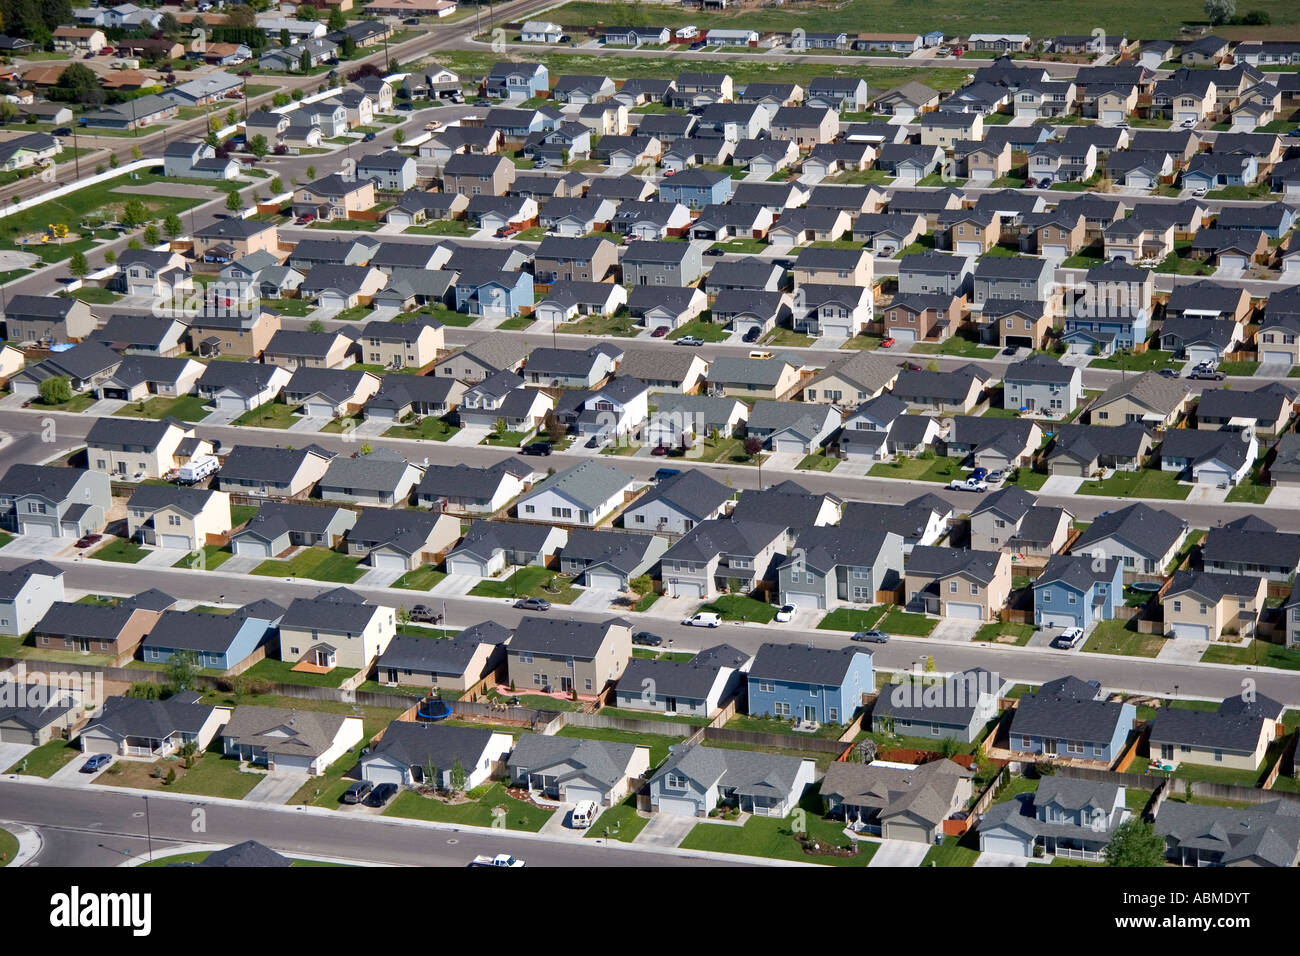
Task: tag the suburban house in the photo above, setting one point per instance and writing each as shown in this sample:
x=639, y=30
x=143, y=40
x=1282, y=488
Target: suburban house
x=1237, y=735
x=273, y=472
x=1011, y=520
x=1149, y=399
x=1067, y=719
x=466, y=489
x=135, y=447
x=134, y=727
x=958, y=708
x=457, y=664
x=1039, y=385
x=489, y=547
x=176, y=517
x=952, y=582
x=216, y=641
x=696, y=687
x=1253, y=547
x=810, y=684
x=609, y=560
x=53, y=502
x=584, y=494
x=1144, y=538
x=27, y=592
x=697, y=779
x=335, y=629
x=573, y=769
x=554, y=655
x=402, y=539
x=1264, y=835
x=1206, y=606
x=1075, y=590
x=279, y=526
x=678, y=503
x=897, y=802
x=833, y=565
x=417, y=752
x=281, y=739
x=1065, y=817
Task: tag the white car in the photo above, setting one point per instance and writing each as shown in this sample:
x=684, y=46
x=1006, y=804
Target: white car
x=703, y=619
x=1068, y=638
x=785, y=614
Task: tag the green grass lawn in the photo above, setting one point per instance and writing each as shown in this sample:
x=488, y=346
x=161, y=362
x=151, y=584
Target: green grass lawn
x=421, y=579
x=774, y=725
x=651, y=715
x=1254, y=652
x=739, y=607
x=429, y=429
x=212, y=776
x=897, y=621
x=478, y=812
x=775, y=839
x=210, y=558
x=270, y=415
x=620, y=324
x=121, y=551
x=1249, y=490
x=1144, y=483
x=997, y=632
x=954, y=851
x=505, y=439
x=318, y=564
x=296, y=308
x=817, y=462
x=1152, y=360
x=618, y=823
x=730, y=450
x=1242, y=369
x=46, y=759
x=529, y=582
x=442, y=227
x=94, y=295
x=187, y=408
x=744, y=245
x=78, y=403
x=657, y=743
x=1112, y=637
x=8, y=847
x=642, y=605
x=957, y=345
x=919, y=469
x=241, y=513
x=5, y=538
x=707, y=331
x=787, y=338
x=282, y=672
x=852, y=619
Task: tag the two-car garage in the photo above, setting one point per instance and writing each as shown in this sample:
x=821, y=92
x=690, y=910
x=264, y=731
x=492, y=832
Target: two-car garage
x=965, y=612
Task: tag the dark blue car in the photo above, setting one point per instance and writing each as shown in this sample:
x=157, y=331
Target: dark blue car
x=96, y=763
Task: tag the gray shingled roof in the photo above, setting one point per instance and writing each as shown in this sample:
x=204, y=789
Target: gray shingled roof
x=803, y=663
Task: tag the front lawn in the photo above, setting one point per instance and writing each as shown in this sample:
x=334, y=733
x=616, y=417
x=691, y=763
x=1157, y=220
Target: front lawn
x=620, y=823
x=48, y=758
x=211, y=776
x=187, y=408
x=775, y=839
x=317, y=564
x=505, y=439
x=743, y=245
x=707, y=331
x=1029, y=479
x=421, y=579
x=480, y=811
x=270, y=415
x=954, y=851
x=1152, y=360
x=957, y=345
x=1255, y=652
x=817, y=462
x=529, y=582
x=210, y=558
x=730, y=450
x=919, y=469
x=1242, y=369
x=429, y=429
x=787, y=338
x=620, y=324
x=997, y=632
x=1113, y=637
x=852, y=619
x=739, y=607
x=121, y=551
x=1143, y=483
x=898, y=621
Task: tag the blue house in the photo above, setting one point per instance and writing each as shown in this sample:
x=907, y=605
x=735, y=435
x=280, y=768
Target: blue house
x=1102, y=336
x=1074, y=590
x=932, y=38
x=492, y=292
x=518, y=79
x=218, y=641
x=696, y=188
x=809, y=683
x=1066, y=719
x=1214, y=170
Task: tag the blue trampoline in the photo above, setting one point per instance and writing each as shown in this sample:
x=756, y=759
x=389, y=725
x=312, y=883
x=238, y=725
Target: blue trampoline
x=433, y=708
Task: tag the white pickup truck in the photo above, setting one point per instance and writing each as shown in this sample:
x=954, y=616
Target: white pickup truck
x=967, y=484
x=501, y=859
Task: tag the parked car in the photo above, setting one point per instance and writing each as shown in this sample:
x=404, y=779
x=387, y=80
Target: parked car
x=1198, y=192
x=659, y=451
x=697, y=45
x=405, y=107
x=305, y=218
x=752, y=335
x=887, y=343
x=703, y=619
x=593, y=442
x=411, y=22
x=85, y=541
x=358, y=791
x=501, y=859
x=1188, y=124
x=996, y=477
x=1010, y=350
x=715, y=251
x=1067, y=638
x=533, y=604
x=425, y=614
x=1206, y=375
x=62, y=131
x=910, y=366
x=96, y=763
x=785, y=614
x=967, y=484
x=871, y=637
x=659, y=332
x=690, y=340
x=979, y=474
x=663, y=473
x=432, y=125
x=540, y=448
x=1168, y=373
x=760, y=354
x=647, y=639
x=380, y=796
x=368, y=138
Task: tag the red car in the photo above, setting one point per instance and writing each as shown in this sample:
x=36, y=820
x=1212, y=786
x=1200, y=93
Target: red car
x=659, y=332
x=88, y=540
x=658, y=450
x=910, y=366
x=887, y=343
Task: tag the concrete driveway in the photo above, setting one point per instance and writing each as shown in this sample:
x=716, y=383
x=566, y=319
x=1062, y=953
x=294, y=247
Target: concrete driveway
x=900, y=853
x=1000, y=859
x=666, y=829
x=276, y=787
x=10, y=754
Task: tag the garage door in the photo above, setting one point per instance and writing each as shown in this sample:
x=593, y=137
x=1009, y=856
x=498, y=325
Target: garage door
x=1197, y=632
x=686, y=808
x=1232, y=262
x=1005, y=845
x=1080, y=348
x=253, y=547
x=377, y=772
x=388, y=562
x=791, y=446
x=319, y=410
x=301, y=764
x=1195, y=354
x=911, y=832
x=692, y=590
x=605, y=581
x=1181, y=118
x=36, y=530
x=838, y=330
x=578, y=794
x=1055, y=252
x=178, y=541
x=231, y=403
x=966, y=247
x=380, y=414
x=1112, y=116
x=1277, y=358
x=800, y=599
x=462, y=566
x=967, y=612
x=1058, y=619
x=16, y=735
x=904, y=336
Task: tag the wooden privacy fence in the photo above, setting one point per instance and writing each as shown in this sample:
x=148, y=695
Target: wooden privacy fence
x=667, y=728
x=782, y=741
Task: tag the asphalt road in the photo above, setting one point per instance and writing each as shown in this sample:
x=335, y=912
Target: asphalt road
x=109, y=820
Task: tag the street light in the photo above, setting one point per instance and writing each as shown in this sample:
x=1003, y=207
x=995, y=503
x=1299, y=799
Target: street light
x=148, y=830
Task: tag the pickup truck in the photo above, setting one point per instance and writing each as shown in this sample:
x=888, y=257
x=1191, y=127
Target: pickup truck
x=967, y=484
x=501, y=859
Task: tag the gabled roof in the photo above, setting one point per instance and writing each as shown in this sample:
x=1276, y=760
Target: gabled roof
x=935, y=562
x=1139, y=527
x=805, y=664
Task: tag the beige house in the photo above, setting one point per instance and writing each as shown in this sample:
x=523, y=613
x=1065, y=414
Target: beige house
x=12, y=361
x=402, y=344
x=553, y=654
x=294, y=349
x=834, y=267
x=926, y=317
x=127, y=447
x=1236, y=736
x=475, y=175
x=1206, y=606
x=971, y=232
x=235, y=238
x=336, y=629
x=1114, y=104
x=1058, y=235
x=1149, y=398
x=953, y=582
x=79, y=40
x=753, y=378
x=1134, y=241
x=853, y=379
x=334, y=197
x=947, y=129
x=805, y=126
x=984, y=161
x=184, y=518
x=242, y=336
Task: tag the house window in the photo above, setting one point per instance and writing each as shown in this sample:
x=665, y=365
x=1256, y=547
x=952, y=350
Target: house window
x=586, y=683
x=952, y=587
x=974, y=589
x=1218, y=756
x=781, y=709
x=1073, y=599
x=525, y=657
x=675, y=781
x=1074, y=747
x=766, y=686
x=1203, y=608
x=1025, y=743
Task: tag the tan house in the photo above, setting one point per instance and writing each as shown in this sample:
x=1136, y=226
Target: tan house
x=1010, y=322
x=401, y=345
x=235, y=238
x=924, y=317
x=1114, y=104
x=805, y=126
x=1057, y=235
x=243, y=336
x=12, y=361
x=128, y=447
x=1278, y=340
x=834, y=267
x=970, y=232
x=336, y=629
x=456, y=665
x=1206, y=606
x=581, y=259
x=471, y=174
x=853, y=379
x=1135, y=241
x=753, y=378
x=182, y=518
x=334, y=197
x=959, y=583
x=1010, y=521
x=292, y=348
x=79, y=40
x=1236, y=736
x=983, y=162
x=1148, y=398
x=947, y=129
x=557, y=655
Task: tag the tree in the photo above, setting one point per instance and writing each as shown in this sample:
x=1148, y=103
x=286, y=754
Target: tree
x=553, y=427
x=285, y=38
x=753, y=446
x=189, y=753
x=134, y=213
x=642, y=584
x=304, y=58
x=1135, y=843
x=78, y=84
x=308, y=12
x=55, y=391
x=399, y=137
x=240, y=15
x=113, y=161
x=500, y=427
x=315, y=325
x=348, y=46
x=458, y=776
x=169, y=25
x=135, y=152
x=8, y=112
x=337, y=21
x=173, y=226
x=233, y=202
x=258, y=146
x=280, y=99
x=134, y=244
x=1220, y=11
x=78, y=265
x=110, y=256
x=182, y=668
x=277, y=185
x=151, y=237
x=311, y=172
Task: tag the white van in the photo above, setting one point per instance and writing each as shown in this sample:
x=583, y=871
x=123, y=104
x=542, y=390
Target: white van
x=584, y=814
x=703, y=619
